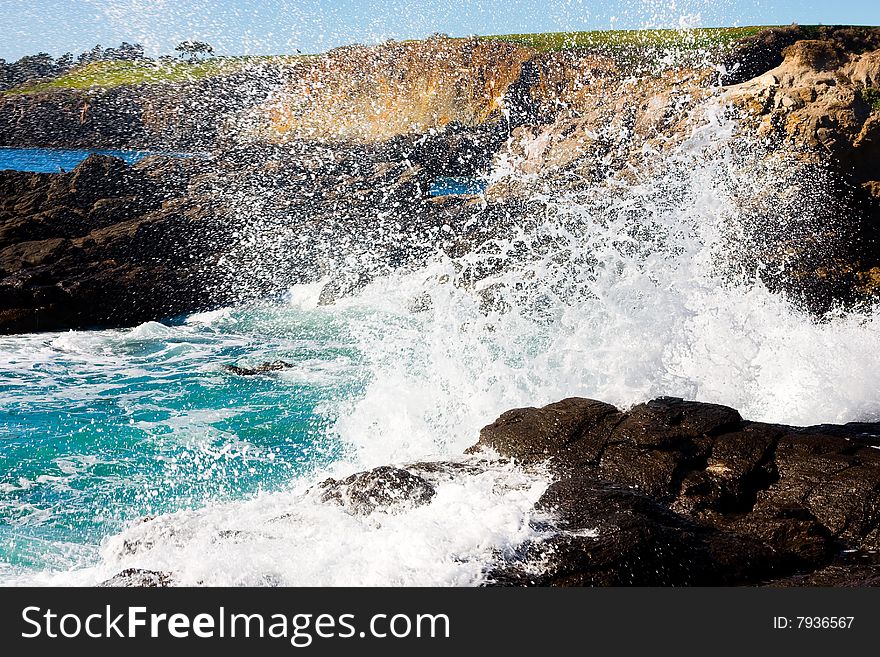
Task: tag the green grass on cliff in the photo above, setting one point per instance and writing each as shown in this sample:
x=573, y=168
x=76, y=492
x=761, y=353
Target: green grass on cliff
x=696, y=38
x=107, y=75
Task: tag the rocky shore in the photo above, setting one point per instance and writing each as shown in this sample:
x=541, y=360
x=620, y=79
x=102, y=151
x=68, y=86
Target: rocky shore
x=667, y=493
x=322, y=169
x=291, y=194
x=684, y=493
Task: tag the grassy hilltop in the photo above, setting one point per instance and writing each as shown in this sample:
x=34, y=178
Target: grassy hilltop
x=695, y=38
x=111, y=74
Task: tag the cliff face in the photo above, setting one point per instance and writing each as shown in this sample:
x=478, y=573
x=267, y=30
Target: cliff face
x=374, y=94
x=179, y=116
x=823, y=99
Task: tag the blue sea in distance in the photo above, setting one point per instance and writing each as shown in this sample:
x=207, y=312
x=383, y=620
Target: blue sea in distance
x=57, y=160
x=101, y=428
x=451, y=186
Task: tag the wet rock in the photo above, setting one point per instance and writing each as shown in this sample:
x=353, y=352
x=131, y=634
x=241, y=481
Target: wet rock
x=262, y=368
x=840, y=575
x=384, y=488
x=93, y=248
x=139, y=578
x=569, y=431
x=699, y=477
x=611, y=535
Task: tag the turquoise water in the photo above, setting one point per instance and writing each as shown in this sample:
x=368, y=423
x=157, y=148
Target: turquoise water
x=101, y=428
x=56, y=160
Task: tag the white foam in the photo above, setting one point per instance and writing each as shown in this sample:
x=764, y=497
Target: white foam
x=611, y=304
x=294, y=539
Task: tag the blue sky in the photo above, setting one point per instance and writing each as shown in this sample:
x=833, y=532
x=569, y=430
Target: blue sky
x=283, y=26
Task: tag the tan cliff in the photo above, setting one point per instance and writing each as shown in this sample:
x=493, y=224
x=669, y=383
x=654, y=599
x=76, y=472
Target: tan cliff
x=375, y=93
x=576, y=121
x=822, y=99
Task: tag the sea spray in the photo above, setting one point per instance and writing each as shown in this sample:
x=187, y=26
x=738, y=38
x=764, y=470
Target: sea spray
x=650, y=282
x=620, y=296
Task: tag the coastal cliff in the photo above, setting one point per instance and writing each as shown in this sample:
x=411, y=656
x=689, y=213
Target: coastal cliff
x=587, y=182
x=349, y=144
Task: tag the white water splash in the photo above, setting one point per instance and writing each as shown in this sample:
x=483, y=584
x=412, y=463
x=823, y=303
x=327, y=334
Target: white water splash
x=292, y=539
x=619, y=296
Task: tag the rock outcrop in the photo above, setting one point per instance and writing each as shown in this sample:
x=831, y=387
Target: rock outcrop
x=824, y=99
x=673, y=492
x=115, y=245
x=385, y=488
x=102, y=245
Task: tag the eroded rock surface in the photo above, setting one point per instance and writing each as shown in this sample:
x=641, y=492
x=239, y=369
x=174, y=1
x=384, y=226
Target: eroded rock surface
x=675, y=484
x=139, y=578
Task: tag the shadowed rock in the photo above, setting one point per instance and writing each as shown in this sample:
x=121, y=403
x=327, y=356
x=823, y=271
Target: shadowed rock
x=611, y=535
x=671, y=482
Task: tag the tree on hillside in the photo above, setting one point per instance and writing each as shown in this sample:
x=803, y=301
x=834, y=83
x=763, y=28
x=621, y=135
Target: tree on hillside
x=126, y=52
x=30, y=67
x=96, y=54
x=65, y=62
x=36, y=66
x=194, y=50
x=43, y=67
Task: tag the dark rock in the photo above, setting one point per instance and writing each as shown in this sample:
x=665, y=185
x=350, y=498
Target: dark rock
x=613, y=536
x=95, y=178
x=92, y=248
x=840, y=575
x=138, y=578
x=31, y=254
x=384, y=488
x=263, y=368
x=664, y=422
x=700, y=478
x=569, y=431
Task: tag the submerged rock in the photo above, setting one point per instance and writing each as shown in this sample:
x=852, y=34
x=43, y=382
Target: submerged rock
x=139, y=578
x=262, y=368
x=384, y=488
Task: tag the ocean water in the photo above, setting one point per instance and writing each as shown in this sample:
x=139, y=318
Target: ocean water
x=136, y=448
x=57, y=160
x=451, y=186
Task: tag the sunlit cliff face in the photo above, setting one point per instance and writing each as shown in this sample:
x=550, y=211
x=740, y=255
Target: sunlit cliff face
x=375, y=93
